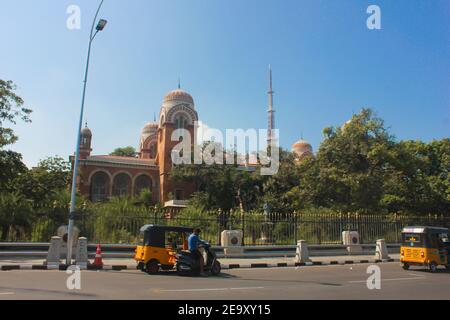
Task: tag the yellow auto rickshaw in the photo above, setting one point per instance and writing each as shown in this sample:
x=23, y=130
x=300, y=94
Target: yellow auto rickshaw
x=158, y=246
x=425, y=246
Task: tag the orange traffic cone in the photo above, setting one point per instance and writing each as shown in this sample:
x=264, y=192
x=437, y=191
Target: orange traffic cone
x=98, y=261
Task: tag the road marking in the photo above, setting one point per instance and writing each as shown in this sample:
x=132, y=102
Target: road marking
x=416, y=275
x=211, y=289
x=395, y=279
x=6, y=293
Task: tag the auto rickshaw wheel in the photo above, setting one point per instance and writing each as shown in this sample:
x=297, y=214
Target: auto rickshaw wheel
x=432, y=267
x=406, y=266
x=152, y=267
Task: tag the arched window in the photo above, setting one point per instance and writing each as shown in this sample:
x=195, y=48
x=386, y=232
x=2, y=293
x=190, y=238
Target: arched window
x=99, y=187
x=143, y=182
x=122, y=185
x=153, y=151
x=180, y=122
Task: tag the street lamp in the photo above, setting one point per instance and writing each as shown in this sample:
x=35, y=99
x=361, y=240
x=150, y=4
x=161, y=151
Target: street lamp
x=100, y=26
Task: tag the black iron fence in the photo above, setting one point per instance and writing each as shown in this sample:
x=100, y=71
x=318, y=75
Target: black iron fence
x=122, y=226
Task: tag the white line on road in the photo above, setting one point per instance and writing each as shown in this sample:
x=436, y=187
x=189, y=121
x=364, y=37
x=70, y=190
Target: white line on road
x=6, y=293
x=416, y=275
x=396, y=279
x=210, y=289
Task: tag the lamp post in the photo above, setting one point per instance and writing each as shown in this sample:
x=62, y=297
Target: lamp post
x=100, y=26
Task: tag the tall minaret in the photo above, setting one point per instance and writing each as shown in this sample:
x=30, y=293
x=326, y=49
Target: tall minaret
x=271, y=112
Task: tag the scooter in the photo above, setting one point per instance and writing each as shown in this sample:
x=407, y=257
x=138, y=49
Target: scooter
x=189, y=264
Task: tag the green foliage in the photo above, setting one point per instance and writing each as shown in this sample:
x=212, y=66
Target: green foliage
x=359, y=167
x=11, y=167
x=145, y=198
x=11, y=108
x=221, y=186
x=43, y=183
x=16, y=217
x=124, y=152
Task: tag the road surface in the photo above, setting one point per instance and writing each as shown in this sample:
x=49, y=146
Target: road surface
x=321, y=282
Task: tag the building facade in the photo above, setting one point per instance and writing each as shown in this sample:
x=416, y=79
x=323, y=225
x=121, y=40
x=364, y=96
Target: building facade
x=103, y=176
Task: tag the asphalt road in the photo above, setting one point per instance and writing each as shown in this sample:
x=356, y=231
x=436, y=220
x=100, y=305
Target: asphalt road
x=327, y=282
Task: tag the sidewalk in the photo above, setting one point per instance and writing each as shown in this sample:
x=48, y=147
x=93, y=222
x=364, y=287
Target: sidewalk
x=227, y=263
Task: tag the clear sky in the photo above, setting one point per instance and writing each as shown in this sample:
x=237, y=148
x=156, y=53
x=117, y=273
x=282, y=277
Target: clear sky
x=327, y=65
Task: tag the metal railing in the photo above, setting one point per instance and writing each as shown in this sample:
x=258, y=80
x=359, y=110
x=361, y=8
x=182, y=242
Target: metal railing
x=274, y=229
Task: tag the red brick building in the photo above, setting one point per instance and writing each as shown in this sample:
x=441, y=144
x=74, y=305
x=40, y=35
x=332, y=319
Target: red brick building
x=102, y=176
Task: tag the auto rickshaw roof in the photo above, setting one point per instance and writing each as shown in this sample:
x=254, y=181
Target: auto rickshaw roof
x=154, y=227
x=423, y=229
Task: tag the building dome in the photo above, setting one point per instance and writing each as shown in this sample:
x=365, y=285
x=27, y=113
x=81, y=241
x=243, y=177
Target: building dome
x=179, y=95
x=302, y=148
x=86, y=132
x=150, y=128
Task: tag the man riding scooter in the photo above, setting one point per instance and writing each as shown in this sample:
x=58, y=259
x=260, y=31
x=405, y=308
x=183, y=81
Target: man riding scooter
x=194, y=241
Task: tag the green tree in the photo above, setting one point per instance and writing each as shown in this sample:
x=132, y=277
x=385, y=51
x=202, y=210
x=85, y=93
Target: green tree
x=124, y=152
x=349, y=170
x=11, y=108
x=219, y=186
x=43, y=183
x=418, y=180
x=11, y=167
x=276, y=188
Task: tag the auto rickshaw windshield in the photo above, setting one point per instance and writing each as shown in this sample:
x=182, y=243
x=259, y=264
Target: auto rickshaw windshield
x=413, y=240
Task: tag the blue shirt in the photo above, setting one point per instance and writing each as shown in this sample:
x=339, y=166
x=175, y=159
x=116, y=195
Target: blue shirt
x=194, y=241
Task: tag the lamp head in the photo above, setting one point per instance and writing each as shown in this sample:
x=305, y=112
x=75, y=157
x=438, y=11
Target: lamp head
x=101, y=25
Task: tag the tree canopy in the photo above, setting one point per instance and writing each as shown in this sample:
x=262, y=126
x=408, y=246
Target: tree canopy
x=11, y=109
x=124, y=152
x=359, y=167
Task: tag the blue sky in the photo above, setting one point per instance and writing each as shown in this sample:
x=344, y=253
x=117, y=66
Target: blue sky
x=326, y=63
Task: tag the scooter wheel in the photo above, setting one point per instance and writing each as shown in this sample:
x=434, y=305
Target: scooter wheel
x=216, y=268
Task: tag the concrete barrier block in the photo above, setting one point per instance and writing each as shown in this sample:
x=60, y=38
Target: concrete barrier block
x=302, y=254
x=381, y=250
x=81, y=257
x=54, y=252
x=232, y=241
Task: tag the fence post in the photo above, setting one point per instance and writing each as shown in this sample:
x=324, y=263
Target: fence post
x=358, y=228
x=396, y=227
x=295, y=226
x=221, y=221
x=243, y=227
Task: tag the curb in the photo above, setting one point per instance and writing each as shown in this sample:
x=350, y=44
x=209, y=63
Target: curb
x=63, y=267
x=304, y=264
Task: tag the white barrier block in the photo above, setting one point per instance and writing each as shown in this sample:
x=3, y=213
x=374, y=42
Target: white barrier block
x=54, y=252
x=302, y=254
x=82, y=254
x=232, y=241
x=381, y=252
